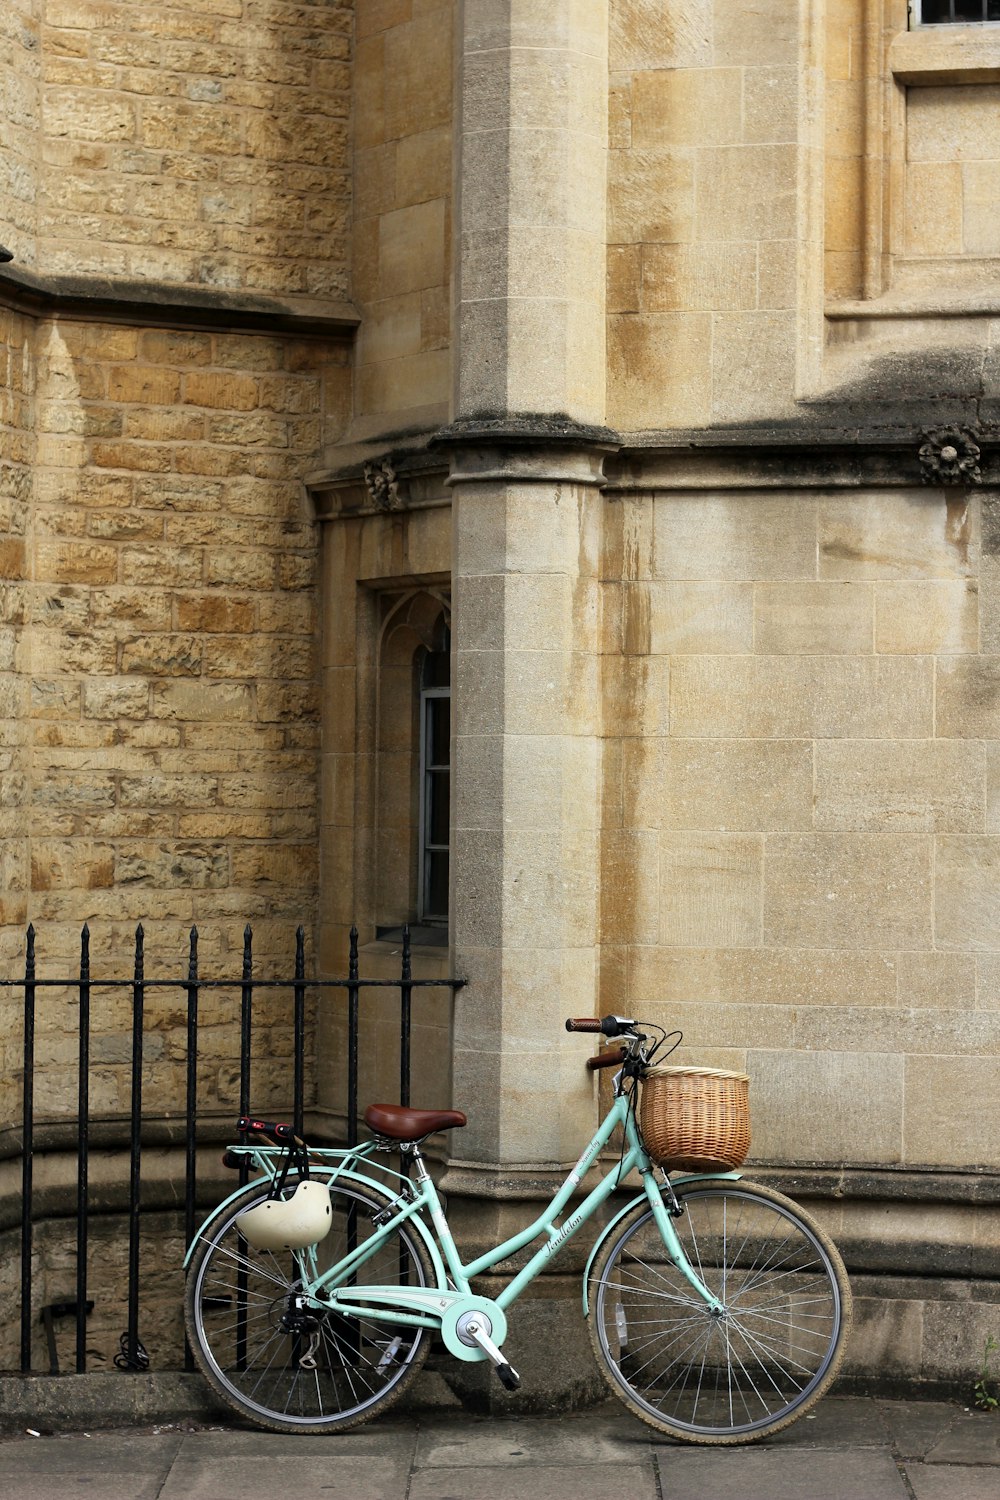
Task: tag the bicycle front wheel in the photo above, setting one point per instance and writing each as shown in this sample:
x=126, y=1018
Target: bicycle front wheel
x=734, y=1376
x=282, y=1364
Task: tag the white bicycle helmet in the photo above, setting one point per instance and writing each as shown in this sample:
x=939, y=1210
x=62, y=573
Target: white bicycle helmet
x=289, y=1223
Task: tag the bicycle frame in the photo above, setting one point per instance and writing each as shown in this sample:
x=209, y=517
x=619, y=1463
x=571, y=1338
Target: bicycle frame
x=428, y=1306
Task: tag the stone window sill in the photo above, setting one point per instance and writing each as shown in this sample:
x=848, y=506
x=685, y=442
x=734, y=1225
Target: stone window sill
x=946, y=54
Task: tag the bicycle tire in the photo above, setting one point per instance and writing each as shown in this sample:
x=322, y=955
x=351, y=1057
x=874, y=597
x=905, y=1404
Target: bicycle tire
x=740, y=1377
x=236, y=1297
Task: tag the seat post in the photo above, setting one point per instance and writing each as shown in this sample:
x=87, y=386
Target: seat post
x=412, y=1148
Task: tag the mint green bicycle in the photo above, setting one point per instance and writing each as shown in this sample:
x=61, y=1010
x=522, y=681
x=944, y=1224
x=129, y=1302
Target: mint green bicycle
x=717, y=1310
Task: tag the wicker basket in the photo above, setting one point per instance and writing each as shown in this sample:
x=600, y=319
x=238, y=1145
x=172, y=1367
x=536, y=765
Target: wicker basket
x=695, y=1119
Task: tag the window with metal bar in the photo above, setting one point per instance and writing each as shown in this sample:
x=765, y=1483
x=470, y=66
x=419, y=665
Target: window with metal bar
x=953, y=12
x=435, y=785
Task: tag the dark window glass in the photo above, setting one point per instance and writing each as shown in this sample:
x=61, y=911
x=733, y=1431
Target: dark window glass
x=435, y=780
x=438, y=731
x=958, y=12
x=437, y=886
x=437, y=810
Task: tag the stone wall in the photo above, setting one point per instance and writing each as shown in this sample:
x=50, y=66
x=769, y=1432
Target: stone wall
x=17, y=454
x=20, y=89
x=401, y=239
x=160, y=671
x=800, y=847
x=201, y=143
x=705, y=242
x=166, y=711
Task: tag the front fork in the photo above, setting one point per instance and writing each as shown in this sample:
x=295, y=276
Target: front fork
x=665, y=1209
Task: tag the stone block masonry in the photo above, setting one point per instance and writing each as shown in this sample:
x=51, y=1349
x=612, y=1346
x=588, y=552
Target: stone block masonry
x=196, y=143
x=158, y=671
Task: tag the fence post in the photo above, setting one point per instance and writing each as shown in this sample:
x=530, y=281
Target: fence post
x=191, y=1106
x=405, y=1017
x=82, y=1153
x=133, y=1356
x=246, y=1018
x=299, y=1040
x=27, y=1147
x=353, y=991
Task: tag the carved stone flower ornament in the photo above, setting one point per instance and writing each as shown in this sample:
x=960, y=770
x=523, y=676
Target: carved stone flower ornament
x=950, y=455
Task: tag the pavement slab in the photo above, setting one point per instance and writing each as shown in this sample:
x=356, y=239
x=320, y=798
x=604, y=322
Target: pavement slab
x=973, y=1438
x=372, y=1461
x=557, y=1482
x=604, y=1438
x=305, y=1475
x=917, y=1426
x=954, y=1483
x=113, y=1466
x=779, y=1474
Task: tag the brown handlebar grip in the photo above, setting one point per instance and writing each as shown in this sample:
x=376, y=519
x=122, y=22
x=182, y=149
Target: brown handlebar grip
x=583, y=1023
x=611, y=1058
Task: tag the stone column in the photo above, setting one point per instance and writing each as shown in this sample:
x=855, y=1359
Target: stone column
x=527, y=445
x=529, y=205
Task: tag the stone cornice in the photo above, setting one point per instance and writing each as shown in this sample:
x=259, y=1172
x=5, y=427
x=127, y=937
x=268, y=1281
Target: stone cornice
x=524, y=429
x=159, y=304
x=526, y=448
x=417, y=469
x=780, y=458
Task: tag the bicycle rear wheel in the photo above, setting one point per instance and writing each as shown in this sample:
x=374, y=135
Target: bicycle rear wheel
x=249, y=1337
x=741, y=1375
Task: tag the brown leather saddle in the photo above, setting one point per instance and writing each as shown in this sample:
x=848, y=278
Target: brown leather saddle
x=400, y=1123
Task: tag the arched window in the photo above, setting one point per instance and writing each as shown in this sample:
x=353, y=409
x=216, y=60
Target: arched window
x=412, y=766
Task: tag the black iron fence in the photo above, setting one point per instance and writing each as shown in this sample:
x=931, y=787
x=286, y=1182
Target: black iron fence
x=132, y=1354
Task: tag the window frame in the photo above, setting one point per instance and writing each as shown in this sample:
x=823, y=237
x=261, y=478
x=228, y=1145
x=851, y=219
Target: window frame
x=916, y=20
x=426, y=770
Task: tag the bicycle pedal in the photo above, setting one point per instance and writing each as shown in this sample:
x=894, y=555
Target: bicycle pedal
x=508, y=1376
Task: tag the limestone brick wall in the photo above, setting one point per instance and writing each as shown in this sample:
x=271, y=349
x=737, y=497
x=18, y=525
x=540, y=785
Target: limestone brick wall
x=801, y=838
x=202, y=143
x=850, y=52
x=704, y=233
x=171, y=733
x=401, y=245
x=952, y=158
x=20, y=90
x=17, y=452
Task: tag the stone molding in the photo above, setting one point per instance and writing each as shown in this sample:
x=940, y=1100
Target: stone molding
x=155, y=304
x=386, y=484
x=739, y=460
x=538, y=450
x=931, y=1185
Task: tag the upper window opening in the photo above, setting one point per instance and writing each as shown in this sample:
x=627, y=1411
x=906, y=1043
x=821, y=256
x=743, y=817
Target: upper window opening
x=954, y=12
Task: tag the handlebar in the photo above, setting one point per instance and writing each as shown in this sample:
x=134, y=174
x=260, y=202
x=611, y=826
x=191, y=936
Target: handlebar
x=609, y=1026
x=613, y=1057
x=281, y=1135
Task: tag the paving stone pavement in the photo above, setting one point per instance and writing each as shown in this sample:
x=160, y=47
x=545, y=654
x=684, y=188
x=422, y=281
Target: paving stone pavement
x=850, y=1448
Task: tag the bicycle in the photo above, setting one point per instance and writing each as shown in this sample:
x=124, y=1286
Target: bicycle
x=717, y=1309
